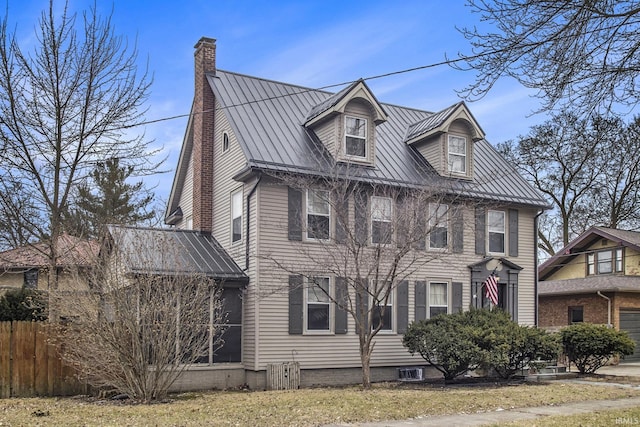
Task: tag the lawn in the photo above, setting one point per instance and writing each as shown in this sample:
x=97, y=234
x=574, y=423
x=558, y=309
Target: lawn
x=612, y=417
x=306, y=407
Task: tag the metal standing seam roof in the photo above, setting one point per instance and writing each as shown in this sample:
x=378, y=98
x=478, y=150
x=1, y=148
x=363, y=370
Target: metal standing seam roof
x=268, y=119
x=160, y=251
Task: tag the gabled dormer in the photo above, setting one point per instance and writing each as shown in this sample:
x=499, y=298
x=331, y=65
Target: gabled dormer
x=346, y=124
x=445, y=140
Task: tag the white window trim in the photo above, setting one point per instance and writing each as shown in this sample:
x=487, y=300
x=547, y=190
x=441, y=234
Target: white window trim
x=429, y=305
x=465, y=155
x=433, y=222
x=308, y=212
x=233, y=216
x=331, y=330
x=504, y=232
x=365, y=139
x=387, y=220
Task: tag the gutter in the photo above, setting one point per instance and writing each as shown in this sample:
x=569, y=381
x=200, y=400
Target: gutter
x=608, y=307
x=535, y=263
x=251, y=193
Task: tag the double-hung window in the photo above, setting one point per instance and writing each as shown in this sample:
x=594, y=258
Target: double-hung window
x=457, y=149
x=318, y=214
x=496, y=231
x=438, y=226
x=318, y=304
x=382, y=314
x=438, y=298
x=236, y=216
x=381, y=215
x=355, y=130
x=31, y=279
x=605, y=262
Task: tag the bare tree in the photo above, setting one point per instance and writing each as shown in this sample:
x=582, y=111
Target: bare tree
x=65, y=104
x=369, y=263
x=139, y=327
x=581, y=52
x=589, y=170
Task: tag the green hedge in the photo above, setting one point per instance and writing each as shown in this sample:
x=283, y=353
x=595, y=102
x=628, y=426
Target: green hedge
x=456, y=343
x=590, y=346
x=22, y=304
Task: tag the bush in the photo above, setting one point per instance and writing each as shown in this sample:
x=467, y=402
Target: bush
x=455, y=343
x=590, y=346
x=21, y=305
x=446, y=343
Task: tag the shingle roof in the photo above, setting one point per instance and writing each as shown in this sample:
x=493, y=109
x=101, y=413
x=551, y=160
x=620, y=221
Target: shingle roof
x=268, y=119
x=171, y=251
x=72, y=251
x=589, y=285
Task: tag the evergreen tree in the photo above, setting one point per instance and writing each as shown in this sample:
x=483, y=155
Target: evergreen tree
x=107, y=198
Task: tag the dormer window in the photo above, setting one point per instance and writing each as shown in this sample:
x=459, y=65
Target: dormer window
x=457, y=150
x=355, y=137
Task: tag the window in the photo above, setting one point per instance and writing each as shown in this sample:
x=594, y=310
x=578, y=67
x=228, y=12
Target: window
x=457, y=154
x=383, y=313
x=381, y=214
x=318, y=214
x=438, y=226
x=438, y=298
x=31, y=279
x=236, y=216
x=225, y=142
x=318, y=304
x=355, y=130
x=576, y=314
x=605, y=262
x=496, y=228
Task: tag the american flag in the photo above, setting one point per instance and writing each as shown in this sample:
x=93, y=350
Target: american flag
x=491, y=288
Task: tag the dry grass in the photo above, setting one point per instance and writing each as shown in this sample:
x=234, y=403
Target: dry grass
x=307, y=407
x=612, y=417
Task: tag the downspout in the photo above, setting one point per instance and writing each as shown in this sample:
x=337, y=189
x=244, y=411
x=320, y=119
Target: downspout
x=246, y=253
x=535, y=263
x=608, y=307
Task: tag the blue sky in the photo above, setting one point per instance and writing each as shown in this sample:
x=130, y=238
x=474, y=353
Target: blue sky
x=309, y=43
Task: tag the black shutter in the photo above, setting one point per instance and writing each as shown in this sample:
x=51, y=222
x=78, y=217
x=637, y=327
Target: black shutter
x=421, y=300
x=361, y=215
x=342, y=300
x=342, y=217
x=402, y=311
x=456, y=297
x=513, y=232
x=402, y=222
x=362, y=300
x=295, y=214
x=421, y=228
x=296, y=304
x=457, y=229
x=512, y=295
x=481, y=221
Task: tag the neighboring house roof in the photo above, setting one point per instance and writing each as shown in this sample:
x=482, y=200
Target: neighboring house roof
x=171, y=251
x=590, y=284
x=72, y=251
x=268, y=118
x=577, y=246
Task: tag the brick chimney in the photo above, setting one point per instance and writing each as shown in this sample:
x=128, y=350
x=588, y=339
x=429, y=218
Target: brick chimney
x=203, y=135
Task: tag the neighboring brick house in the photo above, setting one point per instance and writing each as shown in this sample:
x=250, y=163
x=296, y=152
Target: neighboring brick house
x=245, y=132
x=27, y=266
x=595, y=279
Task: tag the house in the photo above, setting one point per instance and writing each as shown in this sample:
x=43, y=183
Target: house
x=247, y=136
x=595, y=279
x=27, y=266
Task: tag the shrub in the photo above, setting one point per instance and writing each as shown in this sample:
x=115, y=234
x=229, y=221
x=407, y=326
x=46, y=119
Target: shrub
x=445, y=343
x=458, y=342
x=22, y=305
x=590, y=346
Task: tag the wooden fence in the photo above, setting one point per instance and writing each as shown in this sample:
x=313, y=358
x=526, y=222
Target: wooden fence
x=30, y=365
